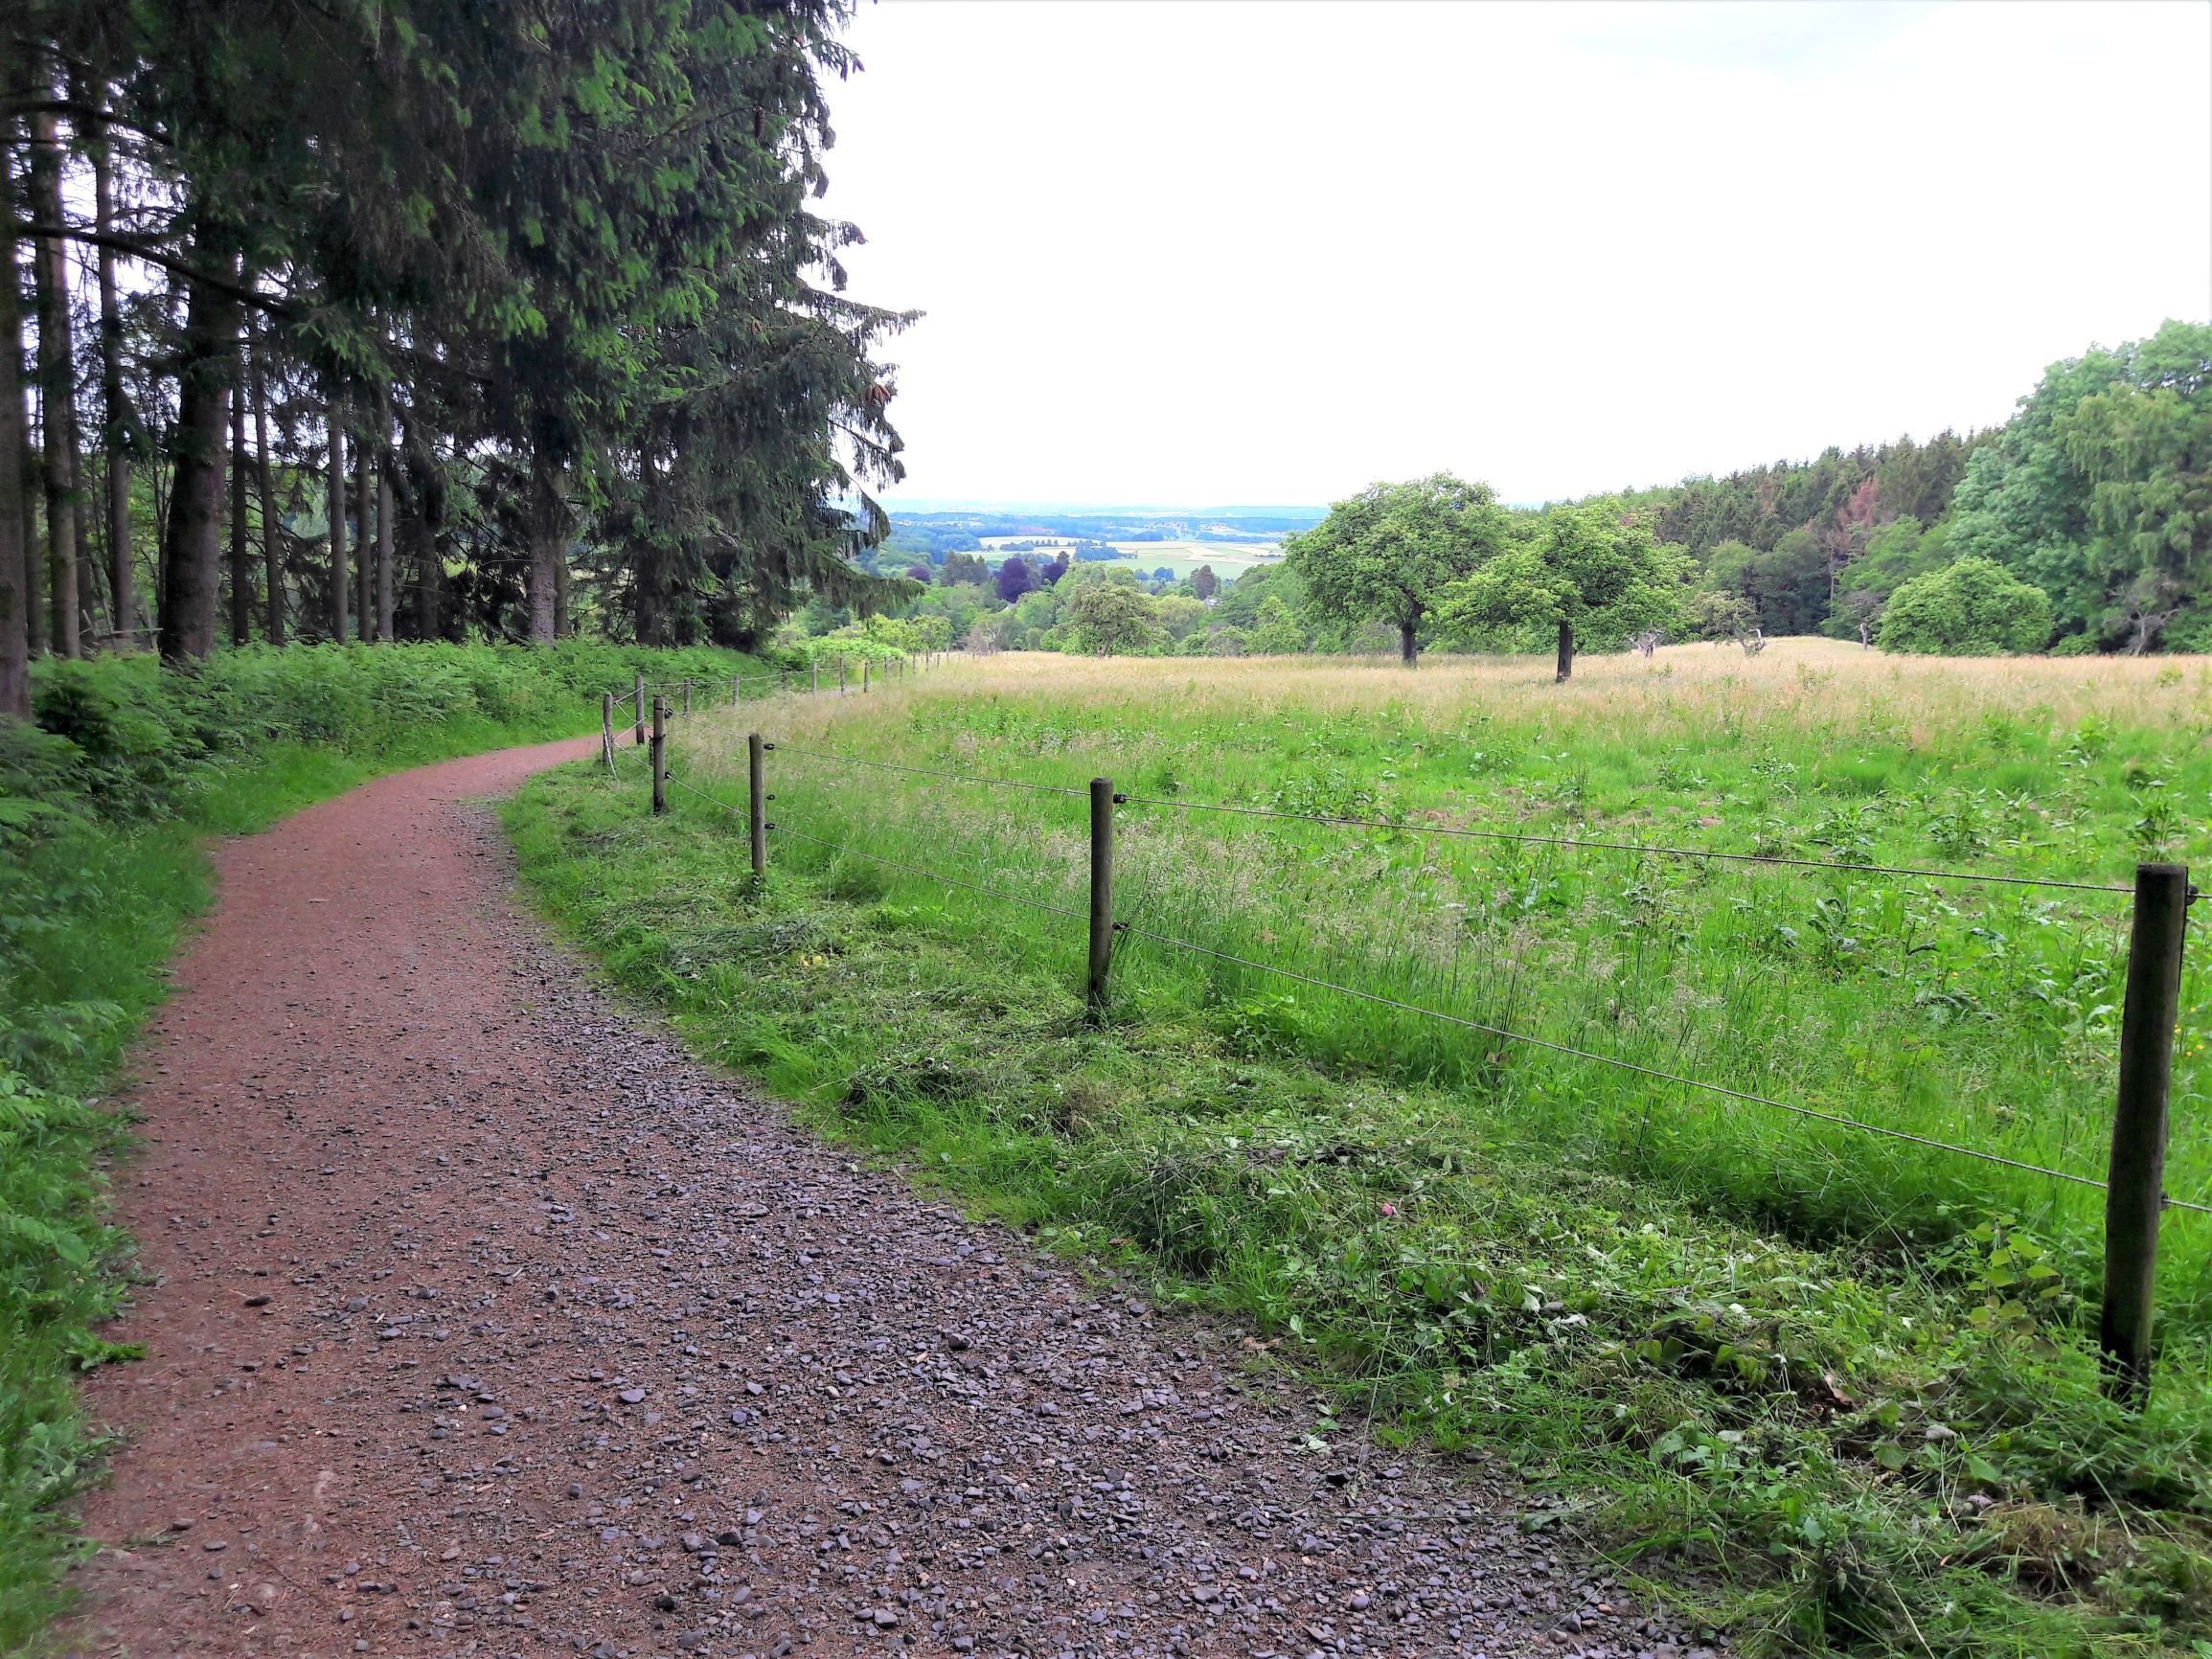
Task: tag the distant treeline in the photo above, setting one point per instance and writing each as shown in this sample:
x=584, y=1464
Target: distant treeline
x=2082, y=524
x=2098, y=492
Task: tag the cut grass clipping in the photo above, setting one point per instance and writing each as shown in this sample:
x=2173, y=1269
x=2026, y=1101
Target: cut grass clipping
x=102, y=811
x=1832, y=1393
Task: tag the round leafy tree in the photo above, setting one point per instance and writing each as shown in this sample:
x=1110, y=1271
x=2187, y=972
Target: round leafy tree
x=1110, y=619
x=1388, y=552
x=1582, y=572
x=1973, y=608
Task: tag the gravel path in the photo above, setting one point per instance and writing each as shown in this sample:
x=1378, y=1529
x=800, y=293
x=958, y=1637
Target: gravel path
x=483, y=1322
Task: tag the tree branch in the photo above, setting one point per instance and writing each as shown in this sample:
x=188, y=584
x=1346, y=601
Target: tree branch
x=168, y=262
x=81, y=112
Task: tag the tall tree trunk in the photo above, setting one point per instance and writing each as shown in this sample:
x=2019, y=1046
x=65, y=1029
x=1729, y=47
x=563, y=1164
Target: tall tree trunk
x=191, y=563
x=1567, y=665
x=242, y=548
x=16, y=600
x=364, y=545
x=87, y=589
x=337, y=617
x=56, y=387
x=387, y=599
x=429, y=582
x=548, y=546
x=421, y=503
x=27, y=474
x=272, y=545
x=1409, y=648
x=117, y=437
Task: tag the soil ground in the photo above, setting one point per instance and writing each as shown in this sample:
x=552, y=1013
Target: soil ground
x=479, y=1320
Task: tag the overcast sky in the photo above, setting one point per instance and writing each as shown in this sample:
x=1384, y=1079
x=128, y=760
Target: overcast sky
x=1269, y=252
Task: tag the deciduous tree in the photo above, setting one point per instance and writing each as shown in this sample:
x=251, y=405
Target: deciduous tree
x=1389, y=553
x=1974, y=607
x=1585, y=572
x=1110, y=619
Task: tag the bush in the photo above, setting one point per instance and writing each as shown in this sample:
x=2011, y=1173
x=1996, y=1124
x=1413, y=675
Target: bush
x=1105, y=618
x=1973, y=608
x=1277, y=633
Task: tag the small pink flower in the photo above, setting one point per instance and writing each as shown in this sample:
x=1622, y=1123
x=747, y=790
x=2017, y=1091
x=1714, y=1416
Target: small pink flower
x=1390, y=1208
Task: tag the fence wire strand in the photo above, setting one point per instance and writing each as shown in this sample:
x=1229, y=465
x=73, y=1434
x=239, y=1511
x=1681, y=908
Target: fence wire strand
x=932, y=772
x=1461, y=833
x=1657, y=1075
x=1627, y=847
x=896, y=864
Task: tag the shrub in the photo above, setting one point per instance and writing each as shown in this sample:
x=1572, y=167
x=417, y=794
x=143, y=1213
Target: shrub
x=1973, y=608
x=1277, y=633
x=1105, y=618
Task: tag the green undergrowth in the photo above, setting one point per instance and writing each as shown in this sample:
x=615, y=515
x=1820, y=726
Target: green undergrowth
x=1823, y=1444
x=105, y=805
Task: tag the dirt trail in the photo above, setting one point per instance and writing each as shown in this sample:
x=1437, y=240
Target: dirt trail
x=481, y=1321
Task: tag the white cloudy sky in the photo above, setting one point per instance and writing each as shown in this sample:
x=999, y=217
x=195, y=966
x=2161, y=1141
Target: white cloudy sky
x=1272, y=250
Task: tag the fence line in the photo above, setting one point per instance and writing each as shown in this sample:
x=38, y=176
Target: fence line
x=1657, y=1074
x=783, y=748
x=1457, y=832
x=879, y=858
x=2135, y=1198
x=1502, y=1034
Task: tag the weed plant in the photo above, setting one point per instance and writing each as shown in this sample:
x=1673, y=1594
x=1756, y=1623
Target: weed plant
x=1851, y=1380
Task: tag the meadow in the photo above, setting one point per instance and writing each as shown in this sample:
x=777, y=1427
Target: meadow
x=1842, y=1385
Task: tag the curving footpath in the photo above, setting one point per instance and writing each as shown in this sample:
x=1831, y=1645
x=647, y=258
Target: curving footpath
x=479, y=1320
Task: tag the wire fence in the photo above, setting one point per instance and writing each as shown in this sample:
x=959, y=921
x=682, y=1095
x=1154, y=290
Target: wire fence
x=1839, y=867
x=2139, y=1145
x=675, y=698
x=1496, y=1032
x=1465, y=832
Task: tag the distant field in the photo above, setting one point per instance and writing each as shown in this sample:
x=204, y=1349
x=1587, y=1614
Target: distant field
x=1230, y=559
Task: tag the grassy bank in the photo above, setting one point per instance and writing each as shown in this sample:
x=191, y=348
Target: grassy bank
x=1854, y=1386
x=103, y=809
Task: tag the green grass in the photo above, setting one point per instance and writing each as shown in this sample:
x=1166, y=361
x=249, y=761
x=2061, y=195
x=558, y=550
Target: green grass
x=102, y=867
x=1839, y=1395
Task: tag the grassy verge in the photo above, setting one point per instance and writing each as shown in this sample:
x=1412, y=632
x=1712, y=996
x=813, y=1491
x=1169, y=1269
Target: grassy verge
x=1707, y=1346
x=104, y=814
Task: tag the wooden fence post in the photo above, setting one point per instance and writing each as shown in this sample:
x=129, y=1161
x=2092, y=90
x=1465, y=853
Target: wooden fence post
x=687, y=697
x=637, y=708
x=606, y=728
x=757, y=806
x=660, y=756
x=2135, y=1181
x=815, y=681
x=737, y=690
x=1102, y=893
x=840, y=676
x=863, y=673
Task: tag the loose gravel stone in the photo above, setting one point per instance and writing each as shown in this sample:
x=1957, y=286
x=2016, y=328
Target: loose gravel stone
x=575, y=1346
